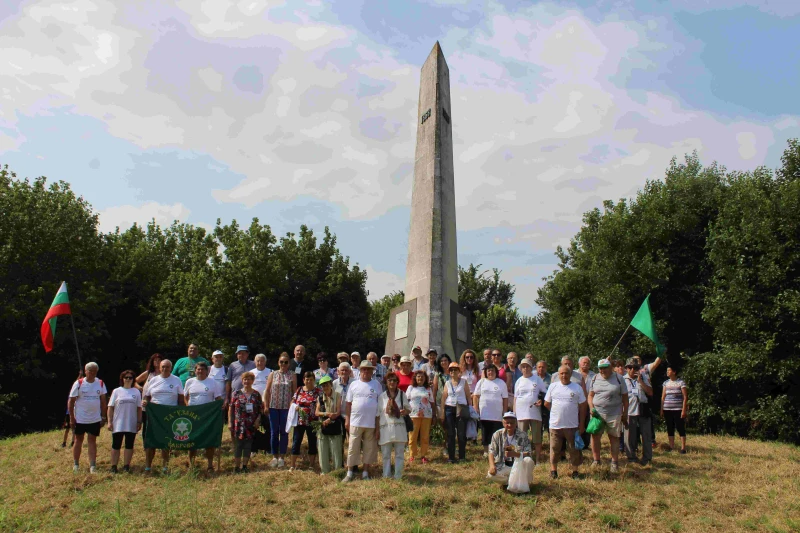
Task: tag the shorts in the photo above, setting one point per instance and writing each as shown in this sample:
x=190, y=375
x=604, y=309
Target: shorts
x=91, y=429
x=613, y=427
x=116, y=440
x=535, y=426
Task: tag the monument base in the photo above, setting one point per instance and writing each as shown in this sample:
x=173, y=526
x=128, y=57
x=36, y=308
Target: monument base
x=401, y=336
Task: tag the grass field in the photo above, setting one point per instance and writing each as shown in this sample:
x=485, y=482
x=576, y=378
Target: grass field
x=722, y=484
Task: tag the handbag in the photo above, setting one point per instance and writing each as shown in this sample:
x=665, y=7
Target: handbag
x=335, y=427
x=406, y=418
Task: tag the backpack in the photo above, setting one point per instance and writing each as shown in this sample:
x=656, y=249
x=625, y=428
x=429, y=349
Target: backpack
x=80, y=383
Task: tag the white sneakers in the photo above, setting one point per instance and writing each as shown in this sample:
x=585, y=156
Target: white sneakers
x=281, y=463
x=273, y=463
x=75, y=469
x=348, y=478
x=92, y=469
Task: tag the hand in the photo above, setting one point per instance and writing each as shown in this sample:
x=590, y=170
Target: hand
x=72, y=423
x=377, y=434
x=347, y=425
x=138, y=426
x=624, y=420
x=581, y=429
x=683, y=414
x=493, y=470
x=230, y=426
x=538, y=404
x=224, y=406
x=109, y=426
x=144, y=403
x=404, y=412
x=662, y=414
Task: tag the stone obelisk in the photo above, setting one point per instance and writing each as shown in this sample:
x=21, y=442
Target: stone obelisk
x=431, y=316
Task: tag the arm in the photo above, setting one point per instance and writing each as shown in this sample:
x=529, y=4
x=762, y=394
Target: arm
x=110, y=417
x=492, y=467
x=467, y=394
x=476, y=400
x=582, y=408
x=654, y=365
x=181, y=400
x=71, y=405
x=348, y=406
x=625, y=409
x=103, y=406
x=505, y=404
x=663, y=397
x=685, y=408
x=645, y=387
x=141, y=379
x=444, y=402
x=267, y=394
x=231, y=414
x=589, y=400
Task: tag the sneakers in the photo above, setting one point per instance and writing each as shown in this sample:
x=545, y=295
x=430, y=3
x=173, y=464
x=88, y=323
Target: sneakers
x=114, y=469
x=348, y=478
x=281, y=463
x=165, y=470
x=595, y=464
x=411, y=459
x=683, y=451
x=614, y=467
x=237, y=470
x=425, y=461
x=575, y=475
x=273, y=463
x=92, y=469
x=64, y=444
x=75, y=469
x=292, y=469
x=553, y=474
x=245, y=470
x=365, y=476
x=644, y=462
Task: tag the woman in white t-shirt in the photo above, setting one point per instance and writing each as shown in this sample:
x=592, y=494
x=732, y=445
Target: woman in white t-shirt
x=124, y=419
x=491, y=401
x=454, y=412
x=261, y=373
x=421, y=400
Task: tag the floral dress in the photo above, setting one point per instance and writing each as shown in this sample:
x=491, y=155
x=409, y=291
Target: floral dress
x=244, y=418
x=306, y=402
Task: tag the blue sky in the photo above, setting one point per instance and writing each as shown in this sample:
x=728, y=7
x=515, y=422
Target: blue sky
x=305, y=112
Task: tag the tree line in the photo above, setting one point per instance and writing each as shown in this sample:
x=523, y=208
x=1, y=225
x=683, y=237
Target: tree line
x=719, y=251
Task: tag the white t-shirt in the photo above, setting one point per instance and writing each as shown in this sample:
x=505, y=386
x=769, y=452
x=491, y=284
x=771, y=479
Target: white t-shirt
x=526, y=394
x=260, y=383
x=87, y=405
x=165, y=391
x=364, y=397
x=200, y=392
x=455, y=393
x=219, y=375
x=126, y=403
x=564, y=409
x=491, y=401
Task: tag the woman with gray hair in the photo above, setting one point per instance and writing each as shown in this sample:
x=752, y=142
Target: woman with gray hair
x=87, y=413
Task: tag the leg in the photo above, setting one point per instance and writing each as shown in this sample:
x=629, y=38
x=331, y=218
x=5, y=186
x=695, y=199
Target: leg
x=527, y=466
x=614, y=441
x=297, y=440
x=325, y=453
x=312, y=447
x=450, y=424
x=556, y=439
x=536, y=439
x=681, y=424
x=425, y=436
x=399, y=460
x=149, y=454
x=284, y=436
x=165, y=457
x=92, y=449
x=274, y=419
x=596, y=446
x=386, y=452
x=369, y=448
x=413, y=437
x=210, y=457
x=238, y=448
x=574, y=454
x=354, y=448
x=130, y=438
x=337, y=451
x=461, y=434
x=192, y=455
x=77, y=447
x=645, y=425
x=116, y=444
x=501, y=477
x=247, y=448
x=632, y=437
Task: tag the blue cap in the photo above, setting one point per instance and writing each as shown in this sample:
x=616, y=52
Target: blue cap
x=242, y=348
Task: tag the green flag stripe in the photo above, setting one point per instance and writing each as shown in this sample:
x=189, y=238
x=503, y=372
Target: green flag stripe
x=61, y=298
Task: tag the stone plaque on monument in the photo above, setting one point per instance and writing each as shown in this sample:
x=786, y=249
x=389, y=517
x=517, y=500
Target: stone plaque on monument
x=435, y=319
x=401, y=325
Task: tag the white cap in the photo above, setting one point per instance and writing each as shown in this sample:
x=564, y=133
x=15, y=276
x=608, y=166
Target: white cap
x=355, y=353
x=217, y=352
x=510, y=414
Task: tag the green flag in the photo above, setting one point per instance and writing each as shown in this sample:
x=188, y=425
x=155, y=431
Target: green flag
x=643, y=321
x=184, y=428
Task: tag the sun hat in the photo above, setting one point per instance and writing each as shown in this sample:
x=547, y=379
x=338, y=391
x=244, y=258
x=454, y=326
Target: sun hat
x=405, y=359
x=526, y=361
x=366, y=364
x=453, y=365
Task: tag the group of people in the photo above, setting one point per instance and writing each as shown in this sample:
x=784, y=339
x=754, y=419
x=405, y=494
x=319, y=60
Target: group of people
x=347, y=412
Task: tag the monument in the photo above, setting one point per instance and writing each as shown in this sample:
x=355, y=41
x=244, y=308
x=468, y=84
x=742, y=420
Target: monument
x=431, y=316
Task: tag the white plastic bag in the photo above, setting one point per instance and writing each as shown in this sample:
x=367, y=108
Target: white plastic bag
x=517, y=479
x=291, y=418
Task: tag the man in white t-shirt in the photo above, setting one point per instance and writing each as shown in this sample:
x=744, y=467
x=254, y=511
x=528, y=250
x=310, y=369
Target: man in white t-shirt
x=219, y=373
x=529, y=394
x=567, y=403
x=647, y=371
x=87, y=413
x=163, y=389
x=362, y=421
x=199, y=390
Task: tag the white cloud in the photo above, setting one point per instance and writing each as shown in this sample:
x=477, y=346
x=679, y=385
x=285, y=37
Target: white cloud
x=124, y=216
x=379, y=284
x=747, y=144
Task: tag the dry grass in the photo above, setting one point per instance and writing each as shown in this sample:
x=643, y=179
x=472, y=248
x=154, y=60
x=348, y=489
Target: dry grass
x=723, y=484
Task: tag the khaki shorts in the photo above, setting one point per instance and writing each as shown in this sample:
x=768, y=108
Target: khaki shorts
x=613, y=427
x=362, y=444
x=535, y=425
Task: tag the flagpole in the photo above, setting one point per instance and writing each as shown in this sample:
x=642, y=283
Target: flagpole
x=75, y=337
x=615, y=346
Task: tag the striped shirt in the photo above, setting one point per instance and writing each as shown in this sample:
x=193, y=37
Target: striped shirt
x=673, y=395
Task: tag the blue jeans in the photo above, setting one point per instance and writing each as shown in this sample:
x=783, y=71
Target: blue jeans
x=277, y=422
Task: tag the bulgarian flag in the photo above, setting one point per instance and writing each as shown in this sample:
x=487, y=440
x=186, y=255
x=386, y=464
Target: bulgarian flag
x=60, y=306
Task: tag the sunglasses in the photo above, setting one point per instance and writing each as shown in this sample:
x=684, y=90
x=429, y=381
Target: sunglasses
x=283, y=362
x=127, y=377
x=469, y=357
x=495, y=355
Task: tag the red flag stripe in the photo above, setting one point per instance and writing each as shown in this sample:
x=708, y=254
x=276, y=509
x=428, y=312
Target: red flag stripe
x=47, y=335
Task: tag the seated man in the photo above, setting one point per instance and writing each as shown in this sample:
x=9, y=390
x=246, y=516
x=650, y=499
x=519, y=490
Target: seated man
x=507, y=444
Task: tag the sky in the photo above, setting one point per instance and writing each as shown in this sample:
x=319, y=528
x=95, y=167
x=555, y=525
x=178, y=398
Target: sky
x=305, y=112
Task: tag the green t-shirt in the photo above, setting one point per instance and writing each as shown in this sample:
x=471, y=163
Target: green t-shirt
x=184, y=367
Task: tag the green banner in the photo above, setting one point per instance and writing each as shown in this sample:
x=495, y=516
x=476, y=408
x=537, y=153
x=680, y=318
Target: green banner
x=184, y=428
x=643, y=321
